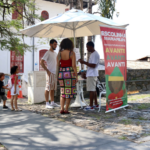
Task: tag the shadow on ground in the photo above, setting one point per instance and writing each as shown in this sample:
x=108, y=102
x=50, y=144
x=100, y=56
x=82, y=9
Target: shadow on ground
x=26, y=130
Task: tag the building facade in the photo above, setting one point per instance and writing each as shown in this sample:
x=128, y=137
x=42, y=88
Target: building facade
x=8, y=58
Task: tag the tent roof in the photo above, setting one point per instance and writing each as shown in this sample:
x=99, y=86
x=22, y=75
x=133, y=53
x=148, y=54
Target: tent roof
x=64, y=25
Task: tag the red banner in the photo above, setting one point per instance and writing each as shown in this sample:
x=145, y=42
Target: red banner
x=114, y=46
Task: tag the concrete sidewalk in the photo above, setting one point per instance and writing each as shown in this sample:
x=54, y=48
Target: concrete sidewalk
x=29, y=131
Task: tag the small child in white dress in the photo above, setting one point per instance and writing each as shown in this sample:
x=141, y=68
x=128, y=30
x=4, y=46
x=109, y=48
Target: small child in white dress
x=15, y=88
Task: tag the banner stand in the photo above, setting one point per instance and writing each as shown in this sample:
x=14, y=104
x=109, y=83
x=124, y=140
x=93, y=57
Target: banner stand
x=114, y=47
x=114, y=110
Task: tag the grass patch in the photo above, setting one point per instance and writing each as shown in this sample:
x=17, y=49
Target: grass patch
x=144, y=135
x=63, y=120
x=141, y=118
x=122, y=138
x=45, y=115
x=1, y=145
x=125, y=121
x=95, y=116
x=118, y=115
x=107, y=116
x=135, y=97
x=138, y=123
x=143, y=106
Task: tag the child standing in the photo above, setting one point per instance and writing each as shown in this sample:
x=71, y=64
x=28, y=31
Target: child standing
x=2, y=90
x=15, y=88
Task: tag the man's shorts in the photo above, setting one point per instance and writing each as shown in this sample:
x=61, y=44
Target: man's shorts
x=3, y=97
x=91, y=83
x=51, y=82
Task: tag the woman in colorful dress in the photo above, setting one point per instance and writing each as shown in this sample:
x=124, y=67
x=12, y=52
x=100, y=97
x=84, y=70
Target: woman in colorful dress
x=67, y=76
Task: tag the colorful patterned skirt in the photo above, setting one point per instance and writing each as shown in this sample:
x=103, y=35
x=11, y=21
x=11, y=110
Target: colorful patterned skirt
x=67, y=81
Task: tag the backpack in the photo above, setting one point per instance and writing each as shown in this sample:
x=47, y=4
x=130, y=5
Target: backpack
x=9, y=83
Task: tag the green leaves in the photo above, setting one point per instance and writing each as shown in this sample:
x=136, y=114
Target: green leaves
x=11, y=39
x=106, y=8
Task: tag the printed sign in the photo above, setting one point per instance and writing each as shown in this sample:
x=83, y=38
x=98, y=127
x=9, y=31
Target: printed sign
x=114, y=46
x=77, y=52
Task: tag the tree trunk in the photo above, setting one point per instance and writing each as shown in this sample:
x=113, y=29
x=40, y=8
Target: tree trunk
x=71, y=4
x=79, y=41
x=82, y=40
x=90, y=37
x=79, y=5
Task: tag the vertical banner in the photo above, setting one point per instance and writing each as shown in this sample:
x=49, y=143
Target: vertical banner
x=114, y=46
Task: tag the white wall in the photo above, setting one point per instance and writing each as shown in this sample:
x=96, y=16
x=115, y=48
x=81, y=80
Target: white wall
x=5, y=62
x=53, y=8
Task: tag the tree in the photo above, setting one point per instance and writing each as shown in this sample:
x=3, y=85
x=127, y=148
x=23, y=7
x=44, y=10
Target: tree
x=24, y=10
x=106, y=8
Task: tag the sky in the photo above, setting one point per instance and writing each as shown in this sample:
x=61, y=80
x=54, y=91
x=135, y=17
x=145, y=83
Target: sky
x=136, y=14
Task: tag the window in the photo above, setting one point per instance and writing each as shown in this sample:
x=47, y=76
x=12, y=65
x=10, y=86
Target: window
x=15, y=14
x=44, y=15
x=17, y=60
x=41, y=54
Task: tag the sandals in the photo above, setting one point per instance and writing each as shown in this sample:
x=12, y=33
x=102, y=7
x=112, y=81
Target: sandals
x=62, y=112
x=66, y=112
x=18, y=109
x=13, y=109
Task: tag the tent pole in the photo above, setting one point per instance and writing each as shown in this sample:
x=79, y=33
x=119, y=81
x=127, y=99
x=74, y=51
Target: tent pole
x=74, y=38
x=74, y=34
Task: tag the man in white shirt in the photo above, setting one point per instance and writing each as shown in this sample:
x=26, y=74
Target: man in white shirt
x=92, y=74
x=50, y=57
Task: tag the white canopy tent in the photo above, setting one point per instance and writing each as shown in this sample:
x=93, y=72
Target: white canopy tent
x=73, y=23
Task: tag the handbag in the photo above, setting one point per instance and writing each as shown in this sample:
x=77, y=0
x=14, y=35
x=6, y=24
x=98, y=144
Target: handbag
x=58, y=65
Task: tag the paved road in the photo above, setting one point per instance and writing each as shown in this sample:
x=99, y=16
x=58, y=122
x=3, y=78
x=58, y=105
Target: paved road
x=29, y=131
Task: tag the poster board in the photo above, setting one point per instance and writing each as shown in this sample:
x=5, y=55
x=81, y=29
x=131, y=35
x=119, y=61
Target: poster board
x=78, y=56
x=77, y=52
x=114, y=46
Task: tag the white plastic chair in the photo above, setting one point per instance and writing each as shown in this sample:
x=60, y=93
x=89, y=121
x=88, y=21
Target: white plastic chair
x=102, y=90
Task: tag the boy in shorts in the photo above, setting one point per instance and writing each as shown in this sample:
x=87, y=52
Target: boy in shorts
x=2, y=90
